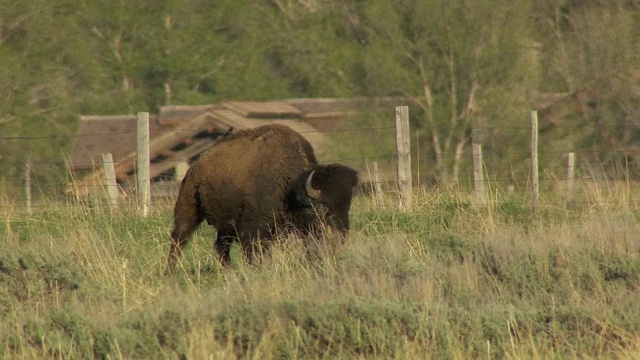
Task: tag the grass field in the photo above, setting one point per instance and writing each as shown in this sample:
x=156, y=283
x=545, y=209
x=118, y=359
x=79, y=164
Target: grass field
x=449, y=280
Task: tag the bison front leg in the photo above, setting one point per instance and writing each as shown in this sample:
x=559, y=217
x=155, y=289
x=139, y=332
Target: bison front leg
x=255, y=247
x=222, y=246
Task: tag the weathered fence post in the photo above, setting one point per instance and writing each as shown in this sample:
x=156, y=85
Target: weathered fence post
x=377, y=186
x=571, y=164
x=181, y=170
x=403, y=144
x=478, y=175
x=110, y=179
x=535, y=187
x=27, y=187
x=144, y=182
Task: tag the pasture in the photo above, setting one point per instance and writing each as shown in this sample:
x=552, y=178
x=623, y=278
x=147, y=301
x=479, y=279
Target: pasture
x=448, y=280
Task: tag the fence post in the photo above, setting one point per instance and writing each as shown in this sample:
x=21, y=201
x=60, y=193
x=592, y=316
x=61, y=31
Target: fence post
x=110, y=179
x=571, y=164
x=535, y=187
x=377, y=186
x=403, y=144
x=27, y=187
x=144, y=182
x=181, y=170
x=478, y=176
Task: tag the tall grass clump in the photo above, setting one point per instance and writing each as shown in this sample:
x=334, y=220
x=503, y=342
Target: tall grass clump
x=449, y=279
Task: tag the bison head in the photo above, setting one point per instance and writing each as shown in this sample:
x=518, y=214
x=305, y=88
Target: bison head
x=332, y=186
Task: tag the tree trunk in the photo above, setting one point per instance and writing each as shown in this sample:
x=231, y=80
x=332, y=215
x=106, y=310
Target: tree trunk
x=117, y=42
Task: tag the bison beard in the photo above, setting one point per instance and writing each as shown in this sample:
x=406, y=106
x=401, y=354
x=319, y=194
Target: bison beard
x=255, y=184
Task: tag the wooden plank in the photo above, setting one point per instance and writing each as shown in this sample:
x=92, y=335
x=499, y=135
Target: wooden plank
x=167, y=153
x=182, y=112
x=225, y=118
x=261, y=110
x=167, y=140
x=198, y=146
x=329, y=114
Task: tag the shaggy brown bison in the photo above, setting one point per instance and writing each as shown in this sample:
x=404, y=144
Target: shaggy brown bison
x=256, y=184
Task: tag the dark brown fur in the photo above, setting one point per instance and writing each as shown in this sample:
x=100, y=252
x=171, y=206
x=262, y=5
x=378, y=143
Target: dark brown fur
x=251, y=185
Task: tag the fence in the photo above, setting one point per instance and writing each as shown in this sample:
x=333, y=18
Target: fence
x=381, y=172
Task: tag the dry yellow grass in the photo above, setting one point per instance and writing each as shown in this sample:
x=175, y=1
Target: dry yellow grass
x=448, y=280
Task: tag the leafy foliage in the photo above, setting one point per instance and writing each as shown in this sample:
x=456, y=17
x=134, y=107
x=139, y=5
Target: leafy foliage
x=468, y=65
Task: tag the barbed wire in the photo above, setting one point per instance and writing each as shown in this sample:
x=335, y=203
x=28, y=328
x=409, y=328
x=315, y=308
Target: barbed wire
x=37, y=187
x=133, y=131
x=487, y=155
x=556, y=126
x=583, y=173
x=166, y=129
x=49, y=137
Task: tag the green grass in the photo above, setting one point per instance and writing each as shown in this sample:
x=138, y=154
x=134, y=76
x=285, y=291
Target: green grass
x=448, y=280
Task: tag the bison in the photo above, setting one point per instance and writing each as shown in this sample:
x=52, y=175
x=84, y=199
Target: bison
x=256, y=184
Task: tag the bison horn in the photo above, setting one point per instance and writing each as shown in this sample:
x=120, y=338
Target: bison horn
x=313, y=193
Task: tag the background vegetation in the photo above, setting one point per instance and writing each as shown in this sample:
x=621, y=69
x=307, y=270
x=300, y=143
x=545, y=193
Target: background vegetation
x=467, y=64
x=450, y=279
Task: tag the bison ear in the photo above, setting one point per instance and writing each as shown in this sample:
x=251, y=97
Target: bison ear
x=310, y=190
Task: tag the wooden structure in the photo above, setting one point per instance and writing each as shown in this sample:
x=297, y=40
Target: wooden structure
x=180, y=134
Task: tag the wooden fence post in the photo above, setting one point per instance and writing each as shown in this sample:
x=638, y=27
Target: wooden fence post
x=181, y=170
x=535, y=187
x=143, y=171
x=27, y=187
x=403, y=144
x=478, y=175
x=377, y=186
x=110, y=179
x=571, y=164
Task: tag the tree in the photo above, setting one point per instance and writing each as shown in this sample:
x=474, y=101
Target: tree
x=454, y=58
x=38, y=56
x=595, y=57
